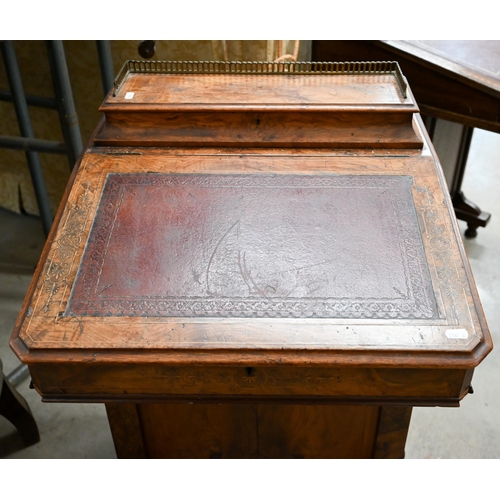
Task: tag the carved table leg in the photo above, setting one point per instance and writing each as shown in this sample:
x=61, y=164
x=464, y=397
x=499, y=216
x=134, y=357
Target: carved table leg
x=452, y=143
x=470, y=213
x=15, y=409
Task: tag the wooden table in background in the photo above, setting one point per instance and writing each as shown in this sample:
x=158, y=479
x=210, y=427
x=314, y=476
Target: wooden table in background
x=457, y=87
x=255, y=260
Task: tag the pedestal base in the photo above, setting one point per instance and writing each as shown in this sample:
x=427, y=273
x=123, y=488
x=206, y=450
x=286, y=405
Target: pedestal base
x=162, y=430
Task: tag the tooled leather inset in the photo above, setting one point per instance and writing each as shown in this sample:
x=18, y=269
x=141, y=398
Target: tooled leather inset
x=192, y=245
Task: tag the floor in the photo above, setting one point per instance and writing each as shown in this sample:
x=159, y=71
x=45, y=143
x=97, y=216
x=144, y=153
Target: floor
x=82, y=431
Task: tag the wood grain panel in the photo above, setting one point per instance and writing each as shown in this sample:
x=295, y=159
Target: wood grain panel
x=158, y=381
x=393, y=426
x=125, y=427
x=198, y=91
x=301, y=431
x=260, y=129
x=199, y=430
x=255, y=431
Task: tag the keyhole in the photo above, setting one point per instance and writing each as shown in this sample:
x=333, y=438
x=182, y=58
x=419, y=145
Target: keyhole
x=258, y=121
x=249, y=371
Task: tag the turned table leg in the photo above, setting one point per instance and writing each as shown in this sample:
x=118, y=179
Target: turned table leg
x=452, y=143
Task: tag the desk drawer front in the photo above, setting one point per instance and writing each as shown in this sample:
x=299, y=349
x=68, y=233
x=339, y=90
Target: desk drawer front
x=157, y=382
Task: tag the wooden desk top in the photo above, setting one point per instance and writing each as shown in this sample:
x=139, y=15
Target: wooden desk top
x=474, y=61
x=192, y=243
x=456, y=80
x=170, y=257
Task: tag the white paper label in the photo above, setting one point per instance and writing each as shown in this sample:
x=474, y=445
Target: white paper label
x=459, y=333
x=129, y=95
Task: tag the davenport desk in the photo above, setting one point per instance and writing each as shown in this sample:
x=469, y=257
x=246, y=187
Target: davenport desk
x=255, y=260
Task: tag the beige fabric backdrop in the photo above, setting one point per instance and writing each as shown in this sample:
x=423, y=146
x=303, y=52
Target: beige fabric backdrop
x=16, y=192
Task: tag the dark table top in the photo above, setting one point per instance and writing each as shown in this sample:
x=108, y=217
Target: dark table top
x=456, y=80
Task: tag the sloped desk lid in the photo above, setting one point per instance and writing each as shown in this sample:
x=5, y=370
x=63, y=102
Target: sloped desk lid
x=317, y=256
x=257, y=254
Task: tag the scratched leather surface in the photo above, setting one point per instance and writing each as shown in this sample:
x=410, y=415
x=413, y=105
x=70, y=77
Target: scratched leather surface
x=330, y=246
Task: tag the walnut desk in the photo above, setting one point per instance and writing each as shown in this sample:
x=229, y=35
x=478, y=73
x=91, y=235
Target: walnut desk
x=255, y=260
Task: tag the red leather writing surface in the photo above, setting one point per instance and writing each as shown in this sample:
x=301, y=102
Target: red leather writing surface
x=255, y=245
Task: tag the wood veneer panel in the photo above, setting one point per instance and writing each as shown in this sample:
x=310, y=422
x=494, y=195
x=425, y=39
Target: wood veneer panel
x=392, y=432
x=258, y=431
x=244, y=91
x=131, y=382
x=264, y=128
x=309, y=431
x=125, y=428
x=199, y=430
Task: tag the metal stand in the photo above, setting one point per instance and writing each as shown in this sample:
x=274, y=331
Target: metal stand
x=23, y=118
x=63, y=103
x=106, y=65
x=64, y=100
